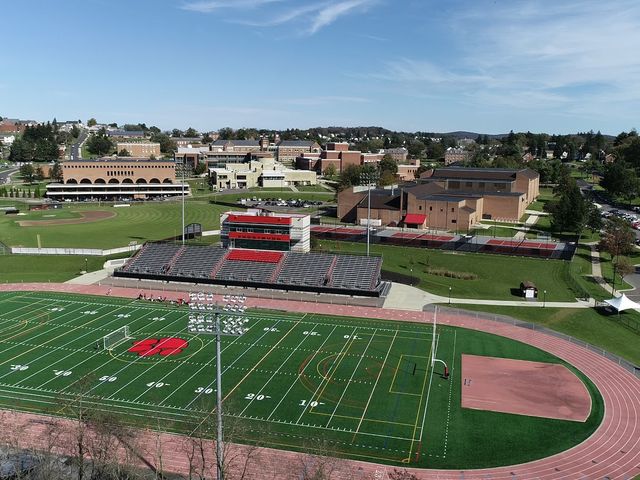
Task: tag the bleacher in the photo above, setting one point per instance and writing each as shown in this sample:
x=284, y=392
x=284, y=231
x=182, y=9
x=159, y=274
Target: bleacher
x=305, y=269
x=153, y=259
x=246, y=271
x=316, y=272
x=197, y=261
x=355, y=272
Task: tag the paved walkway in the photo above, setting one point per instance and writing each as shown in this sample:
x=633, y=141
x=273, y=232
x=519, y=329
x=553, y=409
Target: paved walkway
x=612, y=452
x=531, y=220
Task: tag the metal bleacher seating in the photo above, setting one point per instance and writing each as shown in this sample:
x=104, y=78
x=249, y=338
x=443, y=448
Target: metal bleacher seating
x=154, y=258
x=355, y=272
x=305, y=269
x=197, y=261
x=246, y=271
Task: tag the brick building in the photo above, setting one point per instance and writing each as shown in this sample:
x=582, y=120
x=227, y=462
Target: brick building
x=117, y=178
x=446, y=199
x=140, y=149
x=288, y=150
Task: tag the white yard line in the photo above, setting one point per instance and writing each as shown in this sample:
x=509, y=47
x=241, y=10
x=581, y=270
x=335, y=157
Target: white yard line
x=375, y=385
x=64, y=347
x=302, y=372
x=261, y=389
x=348, y=342
x=426, y=404
x=350, y=379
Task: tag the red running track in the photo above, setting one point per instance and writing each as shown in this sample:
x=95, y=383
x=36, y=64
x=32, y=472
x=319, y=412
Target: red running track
x=613, y=451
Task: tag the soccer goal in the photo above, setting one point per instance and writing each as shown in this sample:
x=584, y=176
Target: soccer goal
x=111, y=340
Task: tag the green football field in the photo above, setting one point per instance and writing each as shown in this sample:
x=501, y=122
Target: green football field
x=356, y=388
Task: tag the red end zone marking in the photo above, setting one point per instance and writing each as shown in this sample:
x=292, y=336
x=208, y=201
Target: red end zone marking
x=164, y=347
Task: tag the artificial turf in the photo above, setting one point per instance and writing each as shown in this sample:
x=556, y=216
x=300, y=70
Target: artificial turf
x=362, y=388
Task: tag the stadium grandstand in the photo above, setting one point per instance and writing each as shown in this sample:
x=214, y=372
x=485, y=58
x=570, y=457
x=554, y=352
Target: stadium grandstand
x=259, y=251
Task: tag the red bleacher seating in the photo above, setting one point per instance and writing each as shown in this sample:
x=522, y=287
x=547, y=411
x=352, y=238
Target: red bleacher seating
x=263, y=256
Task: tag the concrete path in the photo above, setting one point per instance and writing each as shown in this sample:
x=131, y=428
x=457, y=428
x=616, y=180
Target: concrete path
x=98, y=276
x=528, y=223
x=405, y=297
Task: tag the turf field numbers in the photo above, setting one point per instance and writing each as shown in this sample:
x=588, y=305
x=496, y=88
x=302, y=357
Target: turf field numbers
x=306, y=403
x=89, y=312
x=206, y=391
x=312, y=333
x=355, y=337
x=158, y=319
x=157, y=384
x=122, y=315
x=107, y=378
x=253, y=396
x=19, y=368
x=270, y=329
x=62, y=373
x=56, y=309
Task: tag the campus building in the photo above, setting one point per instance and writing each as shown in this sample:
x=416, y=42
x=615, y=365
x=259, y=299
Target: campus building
x=140, y=149
x=288, y=150
x=117, y=178
x=260, y=171
x=446, y=199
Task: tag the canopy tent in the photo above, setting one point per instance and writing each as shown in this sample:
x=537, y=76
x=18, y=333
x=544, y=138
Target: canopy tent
x=622, y=303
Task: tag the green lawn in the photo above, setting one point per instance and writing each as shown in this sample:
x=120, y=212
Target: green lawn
x=47, y=268
x=360, y=388
x=140, y=222
x=497, y=275
x=588, y=324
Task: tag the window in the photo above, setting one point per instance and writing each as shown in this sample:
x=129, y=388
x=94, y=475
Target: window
x=419, y=207
x=454, y=184
x=453, y=209
x=431, y=208
x=453, y=220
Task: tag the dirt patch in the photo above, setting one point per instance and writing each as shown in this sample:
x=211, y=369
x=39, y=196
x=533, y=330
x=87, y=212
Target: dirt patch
x=85, y=217
x=524, y=388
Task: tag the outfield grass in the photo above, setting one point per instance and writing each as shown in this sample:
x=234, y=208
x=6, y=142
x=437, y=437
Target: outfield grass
x=47, y=268
x=588, y=324
x=140, y=222
x=360, y=387
x=498, y=276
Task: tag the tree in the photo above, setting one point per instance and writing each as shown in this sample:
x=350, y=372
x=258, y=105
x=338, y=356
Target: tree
x=594, y=219
x=624, y=267
x=191, y=132
x=226, y=133
x=27, y=172
x=620, y=180
x=421, y=169
x=92, y=122
x=206, y=138
x=38, y=173
x=100, y=144
x=200, y=168
x=388, y=164
x=56, y=172
x=617, y=239
x=124, y=153
x=176, y=133
x=386, y=178
x=330, y=171
x=167, y=145
x=569, y=212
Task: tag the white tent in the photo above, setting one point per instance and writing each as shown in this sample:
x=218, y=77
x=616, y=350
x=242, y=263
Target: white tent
x=622, y=303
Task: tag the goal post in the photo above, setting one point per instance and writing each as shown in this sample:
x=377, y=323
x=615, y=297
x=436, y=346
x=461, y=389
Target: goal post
x=112, y=339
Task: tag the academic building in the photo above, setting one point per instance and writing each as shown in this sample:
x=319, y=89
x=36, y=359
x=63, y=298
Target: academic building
x=121, y=178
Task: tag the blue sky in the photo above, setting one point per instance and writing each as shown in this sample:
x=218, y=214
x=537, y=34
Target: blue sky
x=430, y=65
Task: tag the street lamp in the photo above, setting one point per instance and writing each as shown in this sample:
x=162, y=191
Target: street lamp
x=544, y=298
x=208, y=318
x=369, y=177
x=449, y=295
x=184, y=161
x=86, y=267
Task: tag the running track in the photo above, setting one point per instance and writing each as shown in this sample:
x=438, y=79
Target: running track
x=612, y=452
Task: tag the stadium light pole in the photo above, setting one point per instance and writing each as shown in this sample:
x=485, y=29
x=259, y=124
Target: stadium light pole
x=213, y=319
x=368, y=177
x=184, y=159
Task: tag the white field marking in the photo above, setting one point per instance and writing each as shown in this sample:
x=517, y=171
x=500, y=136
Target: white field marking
x=175, y=416
x=302, y=372
x=208, y=364
x=282, y=363
x=91, y=356
x=345, y=345
x=44, y=333
x=205, y=417
x=24, y=306
x=210, y=385
x=180, y=365
x=426, y=403
x=384, y=363
x=65, y=347
x=446, y=429
x=350, y=379
x=180, y=317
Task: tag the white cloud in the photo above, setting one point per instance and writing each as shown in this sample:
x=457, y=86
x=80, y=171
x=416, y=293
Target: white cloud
x=319, y=14
x=208, y=6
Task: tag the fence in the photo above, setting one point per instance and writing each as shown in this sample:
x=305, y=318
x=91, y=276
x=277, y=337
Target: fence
x=89, y=252
x=634, y=369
